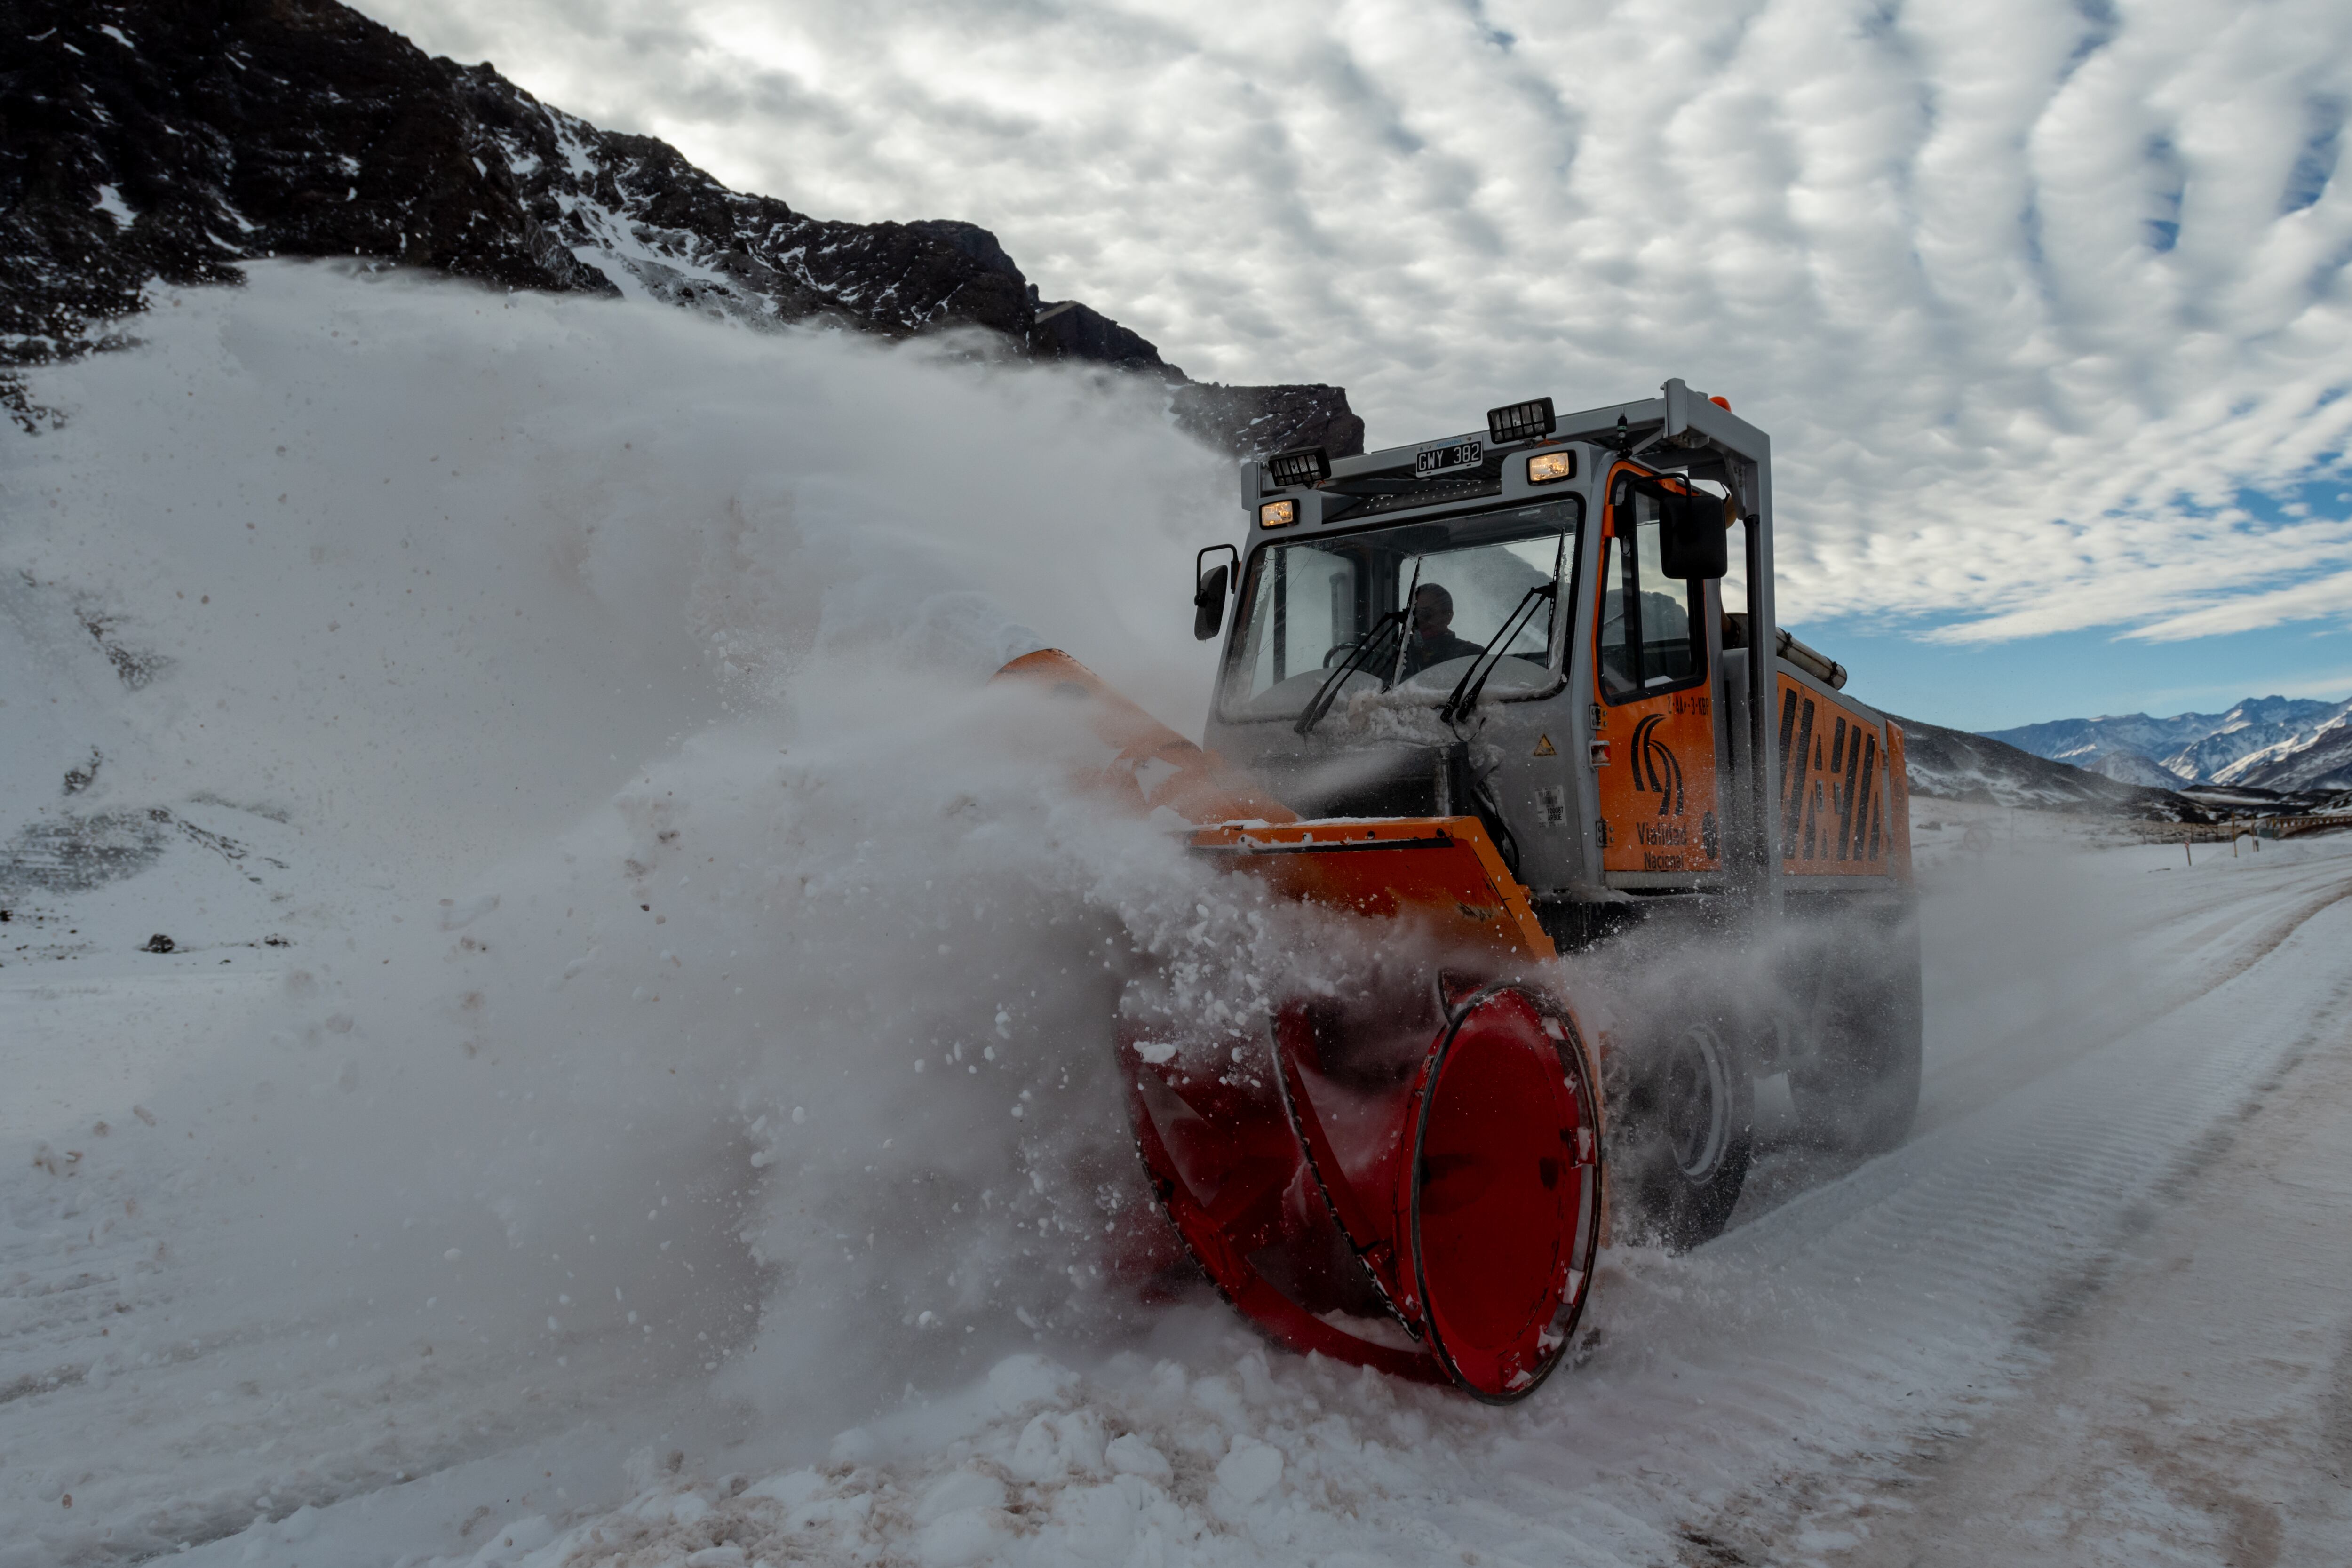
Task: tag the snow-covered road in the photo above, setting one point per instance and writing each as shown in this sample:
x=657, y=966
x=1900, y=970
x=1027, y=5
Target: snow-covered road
x=2095, y=1310
x=2194, y=1401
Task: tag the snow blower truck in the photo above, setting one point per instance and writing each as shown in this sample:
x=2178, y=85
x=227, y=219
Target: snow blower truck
x=1490, y=685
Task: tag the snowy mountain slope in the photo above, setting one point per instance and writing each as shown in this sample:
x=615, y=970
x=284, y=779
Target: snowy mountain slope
x=2318, y=759
x=1956, y=765
x=2254, y=728
x=150, y=141
x=2196, y=748
x=2132, y=768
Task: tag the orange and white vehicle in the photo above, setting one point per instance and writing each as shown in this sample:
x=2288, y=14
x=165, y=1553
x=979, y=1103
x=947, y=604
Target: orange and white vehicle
x=1493, y=683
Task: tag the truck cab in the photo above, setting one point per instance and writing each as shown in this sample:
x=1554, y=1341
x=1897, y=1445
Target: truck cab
x=1563, y=626
x=1553, y=624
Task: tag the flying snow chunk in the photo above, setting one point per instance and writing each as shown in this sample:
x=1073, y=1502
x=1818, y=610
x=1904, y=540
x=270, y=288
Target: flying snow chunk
x=458, y=914
x=1247, y=1472
x=1132, y=1454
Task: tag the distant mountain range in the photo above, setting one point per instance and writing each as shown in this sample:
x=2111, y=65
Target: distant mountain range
x=2279, y=743
x=2266, y=756
x=161, y=140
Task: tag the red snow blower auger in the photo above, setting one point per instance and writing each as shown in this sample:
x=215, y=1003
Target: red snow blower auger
x=1410, y=1181
x=1496, y=680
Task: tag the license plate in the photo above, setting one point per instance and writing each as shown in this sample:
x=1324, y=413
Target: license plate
x=1438, y=459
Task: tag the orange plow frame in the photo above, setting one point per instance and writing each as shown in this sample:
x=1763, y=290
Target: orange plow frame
x=1415, y=1185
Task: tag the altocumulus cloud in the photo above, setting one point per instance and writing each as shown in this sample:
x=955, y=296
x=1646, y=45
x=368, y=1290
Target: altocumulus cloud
x=2046, y=305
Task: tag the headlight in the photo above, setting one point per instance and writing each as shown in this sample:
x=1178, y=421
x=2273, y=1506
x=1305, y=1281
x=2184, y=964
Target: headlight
x=1277, y=514
x=1545, y=467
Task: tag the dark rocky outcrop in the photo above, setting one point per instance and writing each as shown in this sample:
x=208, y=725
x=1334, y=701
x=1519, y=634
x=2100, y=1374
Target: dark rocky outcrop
x=1270, y=418
x=1064, y=328
x=171, y=140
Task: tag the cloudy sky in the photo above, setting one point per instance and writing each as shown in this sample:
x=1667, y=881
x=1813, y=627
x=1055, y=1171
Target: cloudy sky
x=2047, y=306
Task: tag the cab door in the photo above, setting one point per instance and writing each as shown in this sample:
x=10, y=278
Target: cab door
x=1655, y=733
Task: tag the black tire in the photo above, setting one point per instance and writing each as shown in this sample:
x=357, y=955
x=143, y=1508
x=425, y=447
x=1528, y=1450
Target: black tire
x=1859, y=1092
x=1686, y=1132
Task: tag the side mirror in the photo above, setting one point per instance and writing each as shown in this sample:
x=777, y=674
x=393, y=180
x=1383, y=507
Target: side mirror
x=1209, y=591
x=1209, y=603
x=1693, y=539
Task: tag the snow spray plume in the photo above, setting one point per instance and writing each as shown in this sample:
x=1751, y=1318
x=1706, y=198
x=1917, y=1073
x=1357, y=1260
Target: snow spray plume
x=694, y=963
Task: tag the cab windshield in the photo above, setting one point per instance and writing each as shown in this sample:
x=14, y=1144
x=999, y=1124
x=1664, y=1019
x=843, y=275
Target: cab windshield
x=1446, y=585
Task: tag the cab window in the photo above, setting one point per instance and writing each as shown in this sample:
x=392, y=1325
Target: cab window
x=1649, y=623
x=1427, y=596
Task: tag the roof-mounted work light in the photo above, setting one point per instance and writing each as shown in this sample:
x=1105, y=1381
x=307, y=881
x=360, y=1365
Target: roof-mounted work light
x=1547, y=468
x=1520, y=421
x=1307, y=466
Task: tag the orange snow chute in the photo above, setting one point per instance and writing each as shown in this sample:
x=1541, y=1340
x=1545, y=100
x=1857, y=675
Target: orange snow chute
x=1152, y=767
x=1442, y=870
x=1409, y=1180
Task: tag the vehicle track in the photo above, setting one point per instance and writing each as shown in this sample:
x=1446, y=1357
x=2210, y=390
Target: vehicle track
x=2189, y=1409
x=2177, y=963
x=1998, y=1261
x=2149, y=961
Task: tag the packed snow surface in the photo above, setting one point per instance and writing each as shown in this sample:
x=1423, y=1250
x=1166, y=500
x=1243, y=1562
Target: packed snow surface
x=628, y=1079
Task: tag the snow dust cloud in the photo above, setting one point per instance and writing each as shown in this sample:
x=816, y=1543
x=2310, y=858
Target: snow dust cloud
x=693, y=960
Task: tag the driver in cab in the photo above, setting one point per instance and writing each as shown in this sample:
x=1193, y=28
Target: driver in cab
x=1433, y=640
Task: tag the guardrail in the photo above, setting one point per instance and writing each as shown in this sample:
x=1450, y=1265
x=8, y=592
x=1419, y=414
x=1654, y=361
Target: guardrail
x=2256, y=828
x=2290, y=827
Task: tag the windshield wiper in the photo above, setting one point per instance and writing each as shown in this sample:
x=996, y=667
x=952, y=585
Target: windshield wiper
x=1473, y=680
x=1359, y=659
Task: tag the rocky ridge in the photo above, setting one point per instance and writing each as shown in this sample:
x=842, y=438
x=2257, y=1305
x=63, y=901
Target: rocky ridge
x=149, y=140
